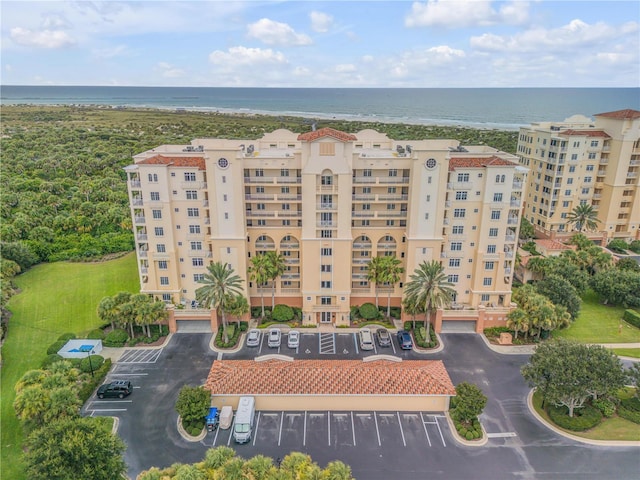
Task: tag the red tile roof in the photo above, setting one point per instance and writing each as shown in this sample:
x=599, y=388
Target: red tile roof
x=627, y=114
x=553, y=245
x=327, y=132
x=329, y=377
x=588, y=133
x=469, y=162
x=175, y=161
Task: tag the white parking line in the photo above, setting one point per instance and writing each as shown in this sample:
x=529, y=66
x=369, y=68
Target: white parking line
x=233, y=425
x=425, y=429
x=304, y=430
x=128, y=374
x=110, y=401
x=281, y=420
x=219, y=357
x=109, y=409
x=215, y=438
x=501, y=435
x=377, y=430
x=401, y=430
x=393, y=345
x=353, y=430
x=329, y=427
x=355, y=342
x=255, y=434
x=438, y=425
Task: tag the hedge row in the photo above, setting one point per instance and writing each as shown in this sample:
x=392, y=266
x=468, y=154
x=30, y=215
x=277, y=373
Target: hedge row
x=632, y=317
x=87, y=388
x=234, y=334
x=470, y=432
x=583, y=418
x=420, y=334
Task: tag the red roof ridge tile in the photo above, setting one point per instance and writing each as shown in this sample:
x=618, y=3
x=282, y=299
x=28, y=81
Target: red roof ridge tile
x=175, y=161
x=327, y=132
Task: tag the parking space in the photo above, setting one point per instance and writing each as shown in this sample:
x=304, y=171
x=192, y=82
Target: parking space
x=348, y=429
x=140, y=355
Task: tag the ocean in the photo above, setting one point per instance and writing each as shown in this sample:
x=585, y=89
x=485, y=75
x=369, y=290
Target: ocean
x=497, y=108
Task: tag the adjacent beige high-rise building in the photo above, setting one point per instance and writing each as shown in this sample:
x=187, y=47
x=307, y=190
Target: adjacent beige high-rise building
x=329, y=201
x=580, y=161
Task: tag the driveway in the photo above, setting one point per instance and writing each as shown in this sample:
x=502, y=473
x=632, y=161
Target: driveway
x=406, y=445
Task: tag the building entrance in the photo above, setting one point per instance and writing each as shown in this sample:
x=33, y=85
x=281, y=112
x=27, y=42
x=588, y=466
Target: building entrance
x=325, y=317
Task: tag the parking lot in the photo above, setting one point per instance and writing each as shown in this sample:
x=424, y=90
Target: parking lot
x=298, y=430
x=328, y=346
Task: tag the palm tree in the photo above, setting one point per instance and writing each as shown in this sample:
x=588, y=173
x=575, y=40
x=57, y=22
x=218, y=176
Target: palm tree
x=518, y=321
x=220, y=283
x=391, y=273
x=276, y=267
x=538, y=265
x=375, y=272
x=237, y=306
x=259, y=271
x=412, y=309
x=582, y=217
x=108, y=311
x=429, y=289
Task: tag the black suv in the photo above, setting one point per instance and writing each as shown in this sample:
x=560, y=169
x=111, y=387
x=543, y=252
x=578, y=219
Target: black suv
x=117, y=388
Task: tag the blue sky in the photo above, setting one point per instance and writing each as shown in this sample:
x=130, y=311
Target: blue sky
x=433, y=43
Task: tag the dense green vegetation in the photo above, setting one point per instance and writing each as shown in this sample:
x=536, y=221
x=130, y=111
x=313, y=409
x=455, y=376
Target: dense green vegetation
x=56, y=298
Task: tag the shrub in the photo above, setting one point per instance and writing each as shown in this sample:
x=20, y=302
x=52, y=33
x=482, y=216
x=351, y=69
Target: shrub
x=470, y=435
x=56, y=346
x=632, y=403
x=234, y=335
x=635, y=246
x=96, y=334
x=606, y=407
x=631, y=415
x=470, y=401
x=116, y=338
x=632, y=317
x=50, y=359
x=297, y=313
x=66, y=337
x=193, y=404
x=495, y=331
x=256, y=312
x=420, y=336
x=408, y=326
x=583, y=418
x=368, y=311
x=354, y=312
x=244, y=326
x=618, y=245
x=396, y=312
x=87, y=388
x=282, y=313
x=96, y=363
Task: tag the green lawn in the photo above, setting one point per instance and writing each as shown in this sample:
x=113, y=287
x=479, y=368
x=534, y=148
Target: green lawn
x=627, y=352
x=599, y=323
x=56, y=298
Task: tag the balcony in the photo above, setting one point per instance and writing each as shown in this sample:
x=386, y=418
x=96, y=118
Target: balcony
x=260, y=213
x=393, y=179
x=290, y=246
x=195, y=236
x=135, y=183
x=359, y=276
x=387, y=246
x=602, y=173
x=326, y=223
x=290, y=276
x=326, y=188
x=507, y=271
x=632, y=174
x=289, y=214
x=459, y=186
x=360, y=260
x=603, y=161
x=597, y=196
x=142, y=254
x=141, y=237
x=259, y=196
x=137, y=202
x=391, y=213
x=288, y=179
x=205, y=203
x=447, y=204
x=290, y=291
x=517, y=185
x=364, y=179
x=363, y=197
x=193, y=185
x=289, y=197
x=326, y=206
x=393, y=197
x=363, y=246
x=291, y=260
x=144, y=270
x=513, y=220
x=196, y=253
x=633, y=163
x=140, y=219
x=509, y=238
x=446, y=221
x=207, y=220
x=508, y=254
x=363, y=214
x=266, y=245
x=514, y=203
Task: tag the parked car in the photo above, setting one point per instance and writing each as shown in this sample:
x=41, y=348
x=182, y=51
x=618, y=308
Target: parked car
x=253, y=338
x=384, y=338
x=293, y=340
x=115, y=389
x=366, y=339
x=404, y=339
x=274, y=338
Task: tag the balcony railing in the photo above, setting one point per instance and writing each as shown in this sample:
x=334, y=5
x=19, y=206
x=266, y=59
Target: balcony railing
x=292, y=246
x=512, y=221
x=140, y=219
x=514, y=203
x=517, y=185
x=260, y=213
x=393, y=197
x=387, y=246
x=327, y=206
x=259, y=196
x=137, y=202
x=144, y=270
x=326, y=223
x=135, y=183
x=391, y=213
x=142, y=237
x=290, y=276
x=291, y=260
x=207, y=220
x=193, y=185
x=508, y=254
x=363, y=214
x=360, y=261
x=142, y=254
x=288, y=179
x=268, y=245
x=510, y=238
x=365, y=246
x=289, y=197
x=364, y=196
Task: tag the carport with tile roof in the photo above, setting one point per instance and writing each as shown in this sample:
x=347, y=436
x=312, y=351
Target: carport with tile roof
x=375, y=384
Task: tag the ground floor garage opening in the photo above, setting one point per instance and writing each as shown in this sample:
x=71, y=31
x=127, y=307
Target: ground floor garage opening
x=459, y=326
x=194, y=326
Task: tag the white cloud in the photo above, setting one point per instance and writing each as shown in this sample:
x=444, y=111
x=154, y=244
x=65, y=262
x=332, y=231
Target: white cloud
x=169, y=71
x=345, y=68
x=320, y=22
x=567, y=38
x=301, y=71
x=246, y=56
x=467, y=13
x=276, y=33
x=111, y=52
x=41, y=39
x=55, y=21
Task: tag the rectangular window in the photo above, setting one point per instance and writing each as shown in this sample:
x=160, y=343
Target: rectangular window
x=160, y=248
x=260, y=206
x=589, y=168
x=488, y=265
x=189, y=176
x=162, y=265
x=195, y=229
x=390, y=223
x=587, y=179
x=366, y=172
x=495, y=214
x=456, y=246
x=491, y=249
x=594, y=143
x=153, y=177
x=393, y=172
x=567, y=193
x=326, y=252
x=159, y=231
x=391, y=206
x=166, y=297
x=459, y=212
x=325, y=284
x=286, y=206
x=493, y=232
x=325, y=268
x=487, y=281
x=326, y=234
x=592, y=155
x=325, y=300
x=197, y=277
x=157, y=214
x=164, y=280
x=197, y=262
x=196, y=245
x=452, y=278
x=259, y=172
x=497, y=197
x=461, y=195
x=192, y=194
x=193, y=212
x=457, y=230
x=155, y=196
x=391, y=189
x=454, y=262
x=463, y=177
x=484, y=298
x=284, y=172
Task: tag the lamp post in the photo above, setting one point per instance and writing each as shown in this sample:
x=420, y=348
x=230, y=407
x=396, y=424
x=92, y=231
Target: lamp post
x=89, y=353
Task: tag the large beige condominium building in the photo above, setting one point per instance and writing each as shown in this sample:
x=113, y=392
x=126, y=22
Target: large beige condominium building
x=329, y=201
x=580, y=161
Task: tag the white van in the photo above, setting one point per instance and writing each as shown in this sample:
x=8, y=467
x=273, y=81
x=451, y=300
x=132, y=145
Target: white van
x=243, y=425
x=366, y=339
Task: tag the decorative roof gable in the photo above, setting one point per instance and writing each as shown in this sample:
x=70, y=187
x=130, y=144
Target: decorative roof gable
x=327, y=132
x=197, y=162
